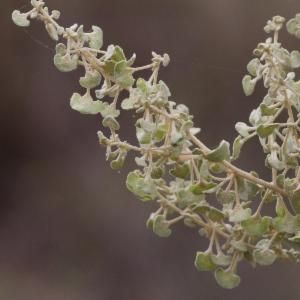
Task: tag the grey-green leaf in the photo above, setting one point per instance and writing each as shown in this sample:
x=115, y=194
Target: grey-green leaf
x=295, y=59
x=96, y=38
x=265, y=130
x=248, y=85
x=227, y=279
x=219, y=154
x=20, y=19
x=65, y=63
x=85, y=104
x=91, y=79
x=161, y=226
x=203, y=262
x=295, y=200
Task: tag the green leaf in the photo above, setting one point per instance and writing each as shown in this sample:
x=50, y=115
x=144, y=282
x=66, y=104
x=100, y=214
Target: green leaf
x=185, y=197
x=111, y=123
x=221, y=259
x=96, y=38
x=253, y=65
x=118, y=163
x=240, y=214
x=123, y=75
x=161, y=226
x=91, y=79
x=129, y=103
x=247, y=190
x=242, y=128
x=236, y=147
x=160, y=132
x=248, y=85
x=227, y=279
x=142, y=188
x=295, y=238
x=267, y=111
x=239, y=245
x=85, y=104
x=225, y=197
x=65, y=63
x=274, y=162
x=143, y=136
x=180, y=170
x=287, y=223
x=295, y=200
x=265, y=130
x=256, y=226
x=295, y=59
x=203, y=261
x=262, y=254
x=201, y=187
x=20, y=19
x=176, y=138
x=291, y=26
x=219, y=154
x=215, y=215
x=157, y=172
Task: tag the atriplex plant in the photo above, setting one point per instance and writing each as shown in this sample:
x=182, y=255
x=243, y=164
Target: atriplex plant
x=175, y=168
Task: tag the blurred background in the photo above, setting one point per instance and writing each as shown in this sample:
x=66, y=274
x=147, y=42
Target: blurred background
x=69, y=229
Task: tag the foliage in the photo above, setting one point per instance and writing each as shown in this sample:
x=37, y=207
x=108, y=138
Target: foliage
x=174, y=168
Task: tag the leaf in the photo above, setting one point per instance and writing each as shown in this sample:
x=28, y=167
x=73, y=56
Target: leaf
x=295, y=59
x=236, y=147
x=265, y=130
x=219, y=154
x=160, y=132
x=145, y=190
x=123, y=75
x=111, y=123
x=291, y=26
x=253, y=66
x=203, y=261
x=239, y=245
x=262, y=254
x=176, y=137
x=185, y=197
x=248, y=85
x=240, y=214
x=201, y=187
x=96, y=38
x=20, y=19
x=227, y=279
x=85, y=104
x=295, y=238
x=157, y=172
x=274, y=162
x=256, y=226
x=215, y=215
x=247, y=190
x=129, y=103
x=225, y=196
x=287, y=223
x=143, y=136
x=242, y=128
x=161, y=226
x=221, y=259
x=91, y=79
x=295, y=200
x=65, y=63
x=267, y=111
x=180, y=170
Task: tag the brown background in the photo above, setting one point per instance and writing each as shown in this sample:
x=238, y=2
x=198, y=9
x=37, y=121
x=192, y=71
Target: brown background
x=69, y=229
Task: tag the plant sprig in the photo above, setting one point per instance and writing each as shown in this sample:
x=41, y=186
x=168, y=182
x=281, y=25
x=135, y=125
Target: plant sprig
x=174, y=167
